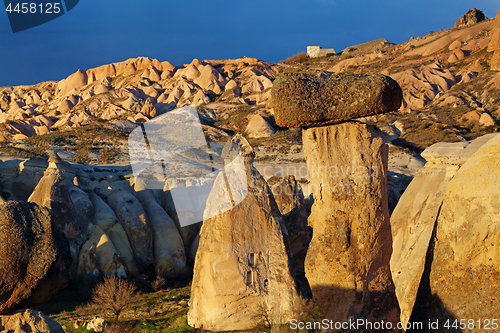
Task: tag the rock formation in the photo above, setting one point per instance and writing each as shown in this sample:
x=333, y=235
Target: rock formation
x=29, y=321
x=347, y=263
x=444, y=239
x=52, y=192
x=472, y=16
x=308, y=100
x=133, y=218
x=35, y=256
x=292, y=205
x=170, y=258
x=242, y=272
x=108, y=222
x=258, y=127
x=494, y=45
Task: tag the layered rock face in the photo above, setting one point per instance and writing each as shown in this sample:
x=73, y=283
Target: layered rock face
x=242, y=272
x=347, y=264
x=35, y=256
x=445, y=235
x=308, y=100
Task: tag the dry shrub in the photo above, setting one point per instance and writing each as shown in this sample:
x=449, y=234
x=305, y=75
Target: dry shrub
x=297, y=58
x=114, y=294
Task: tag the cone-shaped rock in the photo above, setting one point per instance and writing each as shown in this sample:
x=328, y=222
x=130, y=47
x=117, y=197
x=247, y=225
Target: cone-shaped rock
x=34, y=256
x=307, y=100
x=242, y=267
x=347, y=263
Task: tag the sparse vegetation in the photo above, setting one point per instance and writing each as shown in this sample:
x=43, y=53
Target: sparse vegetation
x=296, y=59
x=114, y=295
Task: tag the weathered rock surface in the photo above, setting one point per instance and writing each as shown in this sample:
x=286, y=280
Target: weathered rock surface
x=52, y=192
x=133, y=218
x=170, y=258
x=494, y=45
x=471, y=17
x=308, y=100
x=466, y=249
x=347, y=263
x=107, y=220
x=29, y=321
x=413, y=222
x=258, y=127
x=34, y=259
x=242, y=268
x=292, y=205
x=440, y=237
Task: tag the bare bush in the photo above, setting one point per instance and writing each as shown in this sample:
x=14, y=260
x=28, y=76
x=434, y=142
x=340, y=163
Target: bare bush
x=296, y=58
x=114, y=294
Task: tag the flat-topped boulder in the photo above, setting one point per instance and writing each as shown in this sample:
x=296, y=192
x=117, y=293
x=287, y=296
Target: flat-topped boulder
x=301, y=99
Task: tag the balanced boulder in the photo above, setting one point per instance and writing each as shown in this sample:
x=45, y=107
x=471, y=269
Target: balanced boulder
x=307, y=100
x=35, y=256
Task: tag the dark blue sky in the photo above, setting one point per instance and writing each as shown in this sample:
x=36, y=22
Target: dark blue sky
x=101, y=32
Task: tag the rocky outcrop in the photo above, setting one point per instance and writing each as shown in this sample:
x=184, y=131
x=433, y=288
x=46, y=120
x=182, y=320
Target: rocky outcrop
x=472, y=16
x=308, y=100
x=494, y=45
x=242, y=273
x=34, y=259
x=466, y=245
x=444, y=238
x=29, y=321
x=52, y=192
x=347, y=263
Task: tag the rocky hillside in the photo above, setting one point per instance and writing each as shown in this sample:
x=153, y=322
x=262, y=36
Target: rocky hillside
x=449, y=78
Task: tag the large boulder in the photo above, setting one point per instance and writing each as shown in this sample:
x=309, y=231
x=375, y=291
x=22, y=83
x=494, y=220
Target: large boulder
x=29, y=321
x=34, y=259
x=347, y=263
x=242, y=272
x=308, y=100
